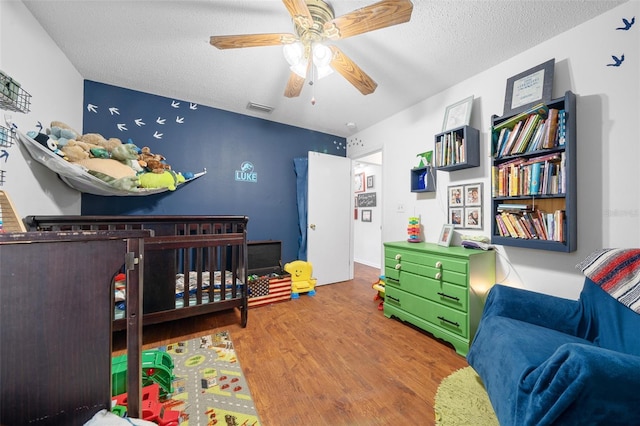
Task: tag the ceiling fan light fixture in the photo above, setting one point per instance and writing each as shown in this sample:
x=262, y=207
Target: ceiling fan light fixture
x=300, y=68
x=293, y=53
x=322, y=55
x=323, y=71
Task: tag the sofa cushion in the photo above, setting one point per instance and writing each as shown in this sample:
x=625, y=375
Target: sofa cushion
x=606, y=322
x=505, y=351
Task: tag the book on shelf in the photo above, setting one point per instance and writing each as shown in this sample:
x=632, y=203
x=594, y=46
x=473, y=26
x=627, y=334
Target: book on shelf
x=562, y=127
x=540, y=109
x=532, y=225
x=534, y=130
x=450, y=149
x=552, y=127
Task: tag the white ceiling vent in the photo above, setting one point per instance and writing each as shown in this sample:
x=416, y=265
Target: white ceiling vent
x=259, y=107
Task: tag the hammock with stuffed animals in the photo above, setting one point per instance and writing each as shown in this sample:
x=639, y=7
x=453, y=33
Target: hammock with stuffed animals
x=78, y=178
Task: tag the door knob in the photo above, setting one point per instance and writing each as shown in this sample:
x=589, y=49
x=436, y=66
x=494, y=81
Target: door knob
x=313, y=226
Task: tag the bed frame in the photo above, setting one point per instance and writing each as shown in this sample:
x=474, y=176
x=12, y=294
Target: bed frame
x=195, y=244
x=55, y=351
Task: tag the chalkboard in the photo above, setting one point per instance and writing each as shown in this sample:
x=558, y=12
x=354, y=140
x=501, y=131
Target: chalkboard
x=368, y=199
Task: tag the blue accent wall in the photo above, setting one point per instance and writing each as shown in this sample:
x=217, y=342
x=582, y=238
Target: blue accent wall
x=195, y=137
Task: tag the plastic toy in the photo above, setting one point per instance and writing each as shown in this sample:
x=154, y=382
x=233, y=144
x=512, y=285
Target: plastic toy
x=151, y=408
x=414, y=230
x=157, y=367
x=301, y=280
x=380, y=287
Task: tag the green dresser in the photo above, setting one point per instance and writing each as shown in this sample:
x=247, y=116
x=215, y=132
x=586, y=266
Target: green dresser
x=438, y=289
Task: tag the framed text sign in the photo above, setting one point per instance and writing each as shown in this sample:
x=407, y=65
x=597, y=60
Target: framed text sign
x=528, y=88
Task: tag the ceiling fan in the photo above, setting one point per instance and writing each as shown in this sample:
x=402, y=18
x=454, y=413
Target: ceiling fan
x=315, y=24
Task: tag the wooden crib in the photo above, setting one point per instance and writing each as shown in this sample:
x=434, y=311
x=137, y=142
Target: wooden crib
x=208, y=254
x=55, y=324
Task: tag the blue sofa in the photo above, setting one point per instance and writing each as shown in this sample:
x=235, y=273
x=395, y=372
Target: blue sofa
x=546, y=360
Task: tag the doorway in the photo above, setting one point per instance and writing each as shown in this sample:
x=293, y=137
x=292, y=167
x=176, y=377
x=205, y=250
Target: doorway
x=367, y=230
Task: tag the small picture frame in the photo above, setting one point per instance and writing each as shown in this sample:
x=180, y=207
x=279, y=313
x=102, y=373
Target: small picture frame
x=359, y=182
x=456, y=196
x=456, y=217
x=473, y=195
x=458, y=114
x=366, y=216
x=369, y=182
x=445, y=235
x=473, y=217
x=528, y=88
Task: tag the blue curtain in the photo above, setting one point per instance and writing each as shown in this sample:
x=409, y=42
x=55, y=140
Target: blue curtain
x=301, y=166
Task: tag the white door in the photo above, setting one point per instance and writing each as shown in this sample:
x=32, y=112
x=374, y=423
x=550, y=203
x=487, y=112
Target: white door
x=330, y=218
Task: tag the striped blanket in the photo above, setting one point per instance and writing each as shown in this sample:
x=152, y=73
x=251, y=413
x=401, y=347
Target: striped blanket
x=616, y=271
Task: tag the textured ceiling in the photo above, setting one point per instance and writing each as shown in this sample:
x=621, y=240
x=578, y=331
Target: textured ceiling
x=162, y=47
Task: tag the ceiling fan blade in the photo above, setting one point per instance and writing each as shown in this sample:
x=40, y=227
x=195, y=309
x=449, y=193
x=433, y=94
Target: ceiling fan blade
x=251, y=40
x=369, y=18
x=294, y=85
x=353, y=73
x=299, y=12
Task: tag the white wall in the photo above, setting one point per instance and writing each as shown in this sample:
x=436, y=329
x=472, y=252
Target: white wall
x=607, y=140
x=367, y=245
x=28, y=54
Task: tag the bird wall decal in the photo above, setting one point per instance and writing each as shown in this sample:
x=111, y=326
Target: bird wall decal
x=627, y=24
x=617, y=61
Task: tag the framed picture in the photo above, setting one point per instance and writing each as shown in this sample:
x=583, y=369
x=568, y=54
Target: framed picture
x=456, y=217
x=368, y=199
x=458, y=114
x=369, y=181
x=456, y=196
x=359, y=182
x=366, y=216
x=445, y=235
x=473, y=195
x=473, y=217
x=529, y=88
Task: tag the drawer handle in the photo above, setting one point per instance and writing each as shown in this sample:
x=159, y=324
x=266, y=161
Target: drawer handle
x=457, y=299
x=438, y=264
x=438, y=275
x=393, y=299
x=455, y=324
x=398, y=256
x=397, y=266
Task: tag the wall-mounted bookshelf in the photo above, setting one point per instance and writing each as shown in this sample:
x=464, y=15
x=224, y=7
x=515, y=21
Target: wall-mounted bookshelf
x=534, y=177
x=423, y=179
x=457, y=149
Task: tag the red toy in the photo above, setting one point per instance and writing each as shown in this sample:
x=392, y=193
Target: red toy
x=151, y=408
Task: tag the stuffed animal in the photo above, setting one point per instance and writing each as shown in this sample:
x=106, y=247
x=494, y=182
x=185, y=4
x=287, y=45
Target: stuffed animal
x=101, y=141
x=127, y=154
x=301, y=280
x=152, y=162
x=75, y=151
x=168, y=179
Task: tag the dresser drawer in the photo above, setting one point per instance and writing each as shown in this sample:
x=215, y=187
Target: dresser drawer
x=433, y=260
x=444, y=293
x=442, y=316
x=434, y=273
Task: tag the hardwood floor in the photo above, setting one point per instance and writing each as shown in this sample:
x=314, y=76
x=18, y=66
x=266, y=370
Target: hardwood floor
x=331, y=359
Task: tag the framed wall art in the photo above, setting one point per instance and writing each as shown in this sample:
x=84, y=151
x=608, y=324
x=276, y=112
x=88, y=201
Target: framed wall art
x=458, y=114
x=369, y=182
x=528, y=88
x=359, y=182
x=366, y=215
x=445, y=235
x=465, y=206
